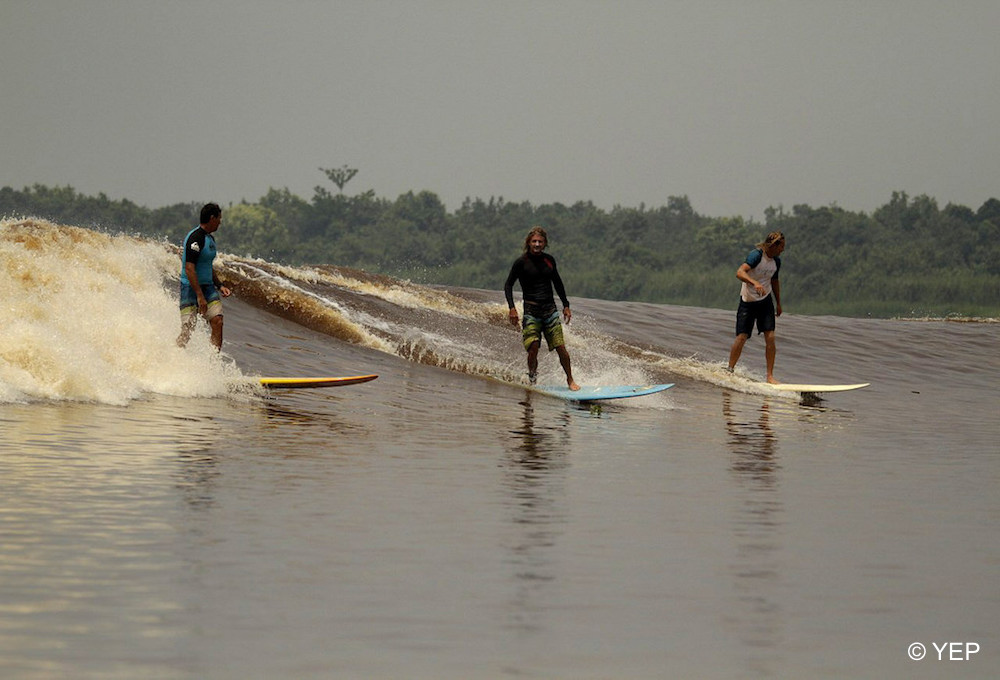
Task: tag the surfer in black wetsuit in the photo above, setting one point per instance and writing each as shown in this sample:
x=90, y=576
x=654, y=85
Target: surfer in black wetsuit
x=537, y=274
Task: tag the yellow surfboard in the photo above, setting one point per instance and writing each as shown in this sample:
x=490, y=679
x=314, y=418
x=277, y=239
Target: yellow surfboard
x=308, y=383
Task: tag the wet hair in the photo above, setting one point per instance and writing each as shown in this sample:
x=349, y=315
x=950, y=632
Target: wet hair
x=771, y=239
x=210, y=210
x=535, y=231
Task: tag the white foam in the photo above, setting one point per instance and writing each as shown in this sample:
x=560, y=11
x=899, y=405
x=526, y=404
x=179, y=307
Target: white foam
x=92, y=317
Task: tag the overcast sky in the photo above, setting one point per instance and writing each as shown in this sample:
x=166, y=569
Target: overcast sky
x=738, y=105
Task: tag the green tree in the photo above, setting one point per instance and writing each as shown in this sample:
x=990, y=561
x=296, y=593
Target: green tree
x=291, y=210
x=990, y=211
x=340, y=176
x=909, y=256
x=724, y=239
x=255, y=230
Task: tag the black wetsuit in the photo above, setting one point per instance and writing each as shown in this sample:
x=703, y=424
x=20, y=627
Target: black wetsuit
x=537, y=274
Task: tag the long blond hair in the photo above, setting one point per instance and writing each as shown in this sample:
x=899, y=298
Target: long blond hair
x=540, y=232
x=771, y=239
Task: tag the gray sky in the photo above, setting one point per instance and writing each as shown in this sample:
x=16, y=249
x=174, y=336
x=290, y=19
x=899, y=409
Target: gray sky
x=739, y=105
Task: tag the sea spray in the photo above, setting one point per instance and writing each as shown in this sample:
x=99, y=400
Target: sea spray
x=94, y=317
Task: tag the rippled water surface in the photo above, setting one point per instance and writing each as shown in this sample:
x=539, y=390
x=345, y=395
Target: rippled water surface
x=441, y=522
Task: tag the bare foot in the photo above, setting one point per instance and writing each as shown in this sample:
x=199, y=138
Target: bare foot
x=773, y=381
x=573, y=386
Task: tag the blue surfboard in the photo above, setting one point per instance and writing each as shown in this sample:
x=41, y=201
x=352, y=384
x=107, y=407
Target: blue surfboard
x=601, y=392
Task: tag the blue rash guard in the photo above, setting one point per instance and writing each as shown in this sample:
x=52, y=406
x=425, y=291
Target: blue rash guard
x=199, y=249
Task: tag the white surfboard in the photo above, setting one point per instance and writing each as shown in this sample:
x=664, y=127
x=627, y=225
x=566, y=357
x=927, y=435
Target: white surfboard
x=811, y=389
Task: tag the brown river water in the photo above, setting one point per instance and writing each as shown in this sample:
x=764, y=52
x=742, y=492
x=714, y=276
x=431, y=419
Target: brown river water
x=160, y=518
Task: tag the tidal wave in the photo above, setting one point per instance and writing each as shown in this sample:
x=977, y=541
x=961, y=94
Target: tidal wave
x=93, y=317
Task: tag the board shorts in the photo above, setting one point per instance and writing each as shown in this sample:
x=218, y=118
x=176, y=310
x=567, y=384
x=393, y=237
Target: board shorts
x=760, y=312
x=189, y=301
x=533, y=328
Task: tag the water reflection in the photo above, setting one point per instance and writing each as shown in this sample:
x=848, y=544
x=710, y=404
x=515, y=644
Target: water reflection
x=757, y=521
x=534, y=484
x=90, y=531
x=536, y=444
x=752, y=441
x=256, y=430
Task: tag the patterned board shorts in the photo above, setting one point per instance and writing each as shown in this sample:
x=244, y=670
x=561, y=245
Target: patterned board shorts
x=533, y=328
x=189, y=301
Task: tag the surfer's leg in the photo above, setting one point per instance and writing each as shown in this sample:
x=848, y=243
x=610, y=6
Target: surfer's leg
x=188, y=307
x=567, y=367
x=744, y=329
x=533, y=359
x=189, y=314
x=187, y=325
x=770, y=351
x=189, y=318
x=737, y=349
x=214, y=317
x=216, y=323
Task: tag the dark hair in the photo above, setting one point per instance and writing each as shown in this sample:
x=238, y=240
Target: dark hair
x=210, y=210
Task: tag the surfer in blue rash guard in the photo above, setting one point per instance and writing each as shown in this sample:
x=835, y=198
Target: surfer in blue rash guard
x=759, y=274
x=536, y=271
x=201, y=291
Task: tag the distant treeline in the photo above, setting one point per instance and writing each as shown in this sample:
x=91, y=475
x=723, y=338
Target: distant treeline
x=908, y=258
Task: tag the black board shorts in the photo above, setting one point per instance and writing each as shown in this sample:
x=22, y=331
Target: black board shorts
x=750, y=313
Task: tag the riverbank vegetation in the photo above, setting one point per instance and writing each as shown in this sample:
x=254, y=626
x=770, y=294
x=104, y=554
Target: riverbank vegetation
x=909, y=258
